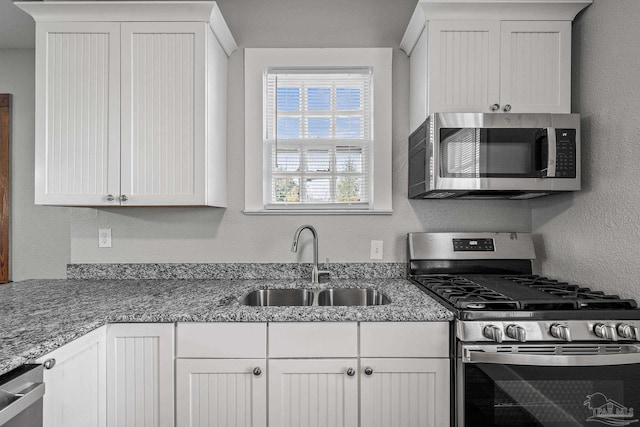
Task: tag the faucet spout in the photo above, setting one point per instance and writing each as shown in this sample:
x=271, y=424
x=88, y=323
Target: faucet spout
x=294, y=248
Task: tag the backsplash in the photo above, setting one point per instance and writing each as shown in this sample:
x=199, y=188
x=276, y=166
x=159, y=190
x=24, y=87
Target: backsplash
x=233, y=271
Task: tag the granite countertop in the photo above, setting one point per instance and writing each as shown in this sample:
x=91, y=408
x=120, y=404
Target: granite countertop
x=38, y=316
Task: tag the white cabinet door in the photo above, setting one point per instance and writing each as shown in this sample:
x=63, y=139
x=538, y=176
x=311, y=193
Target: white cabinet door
x=163, y=113
x=405, y=392
x=463, y=66
x=313, y=392
x=536, y=66
x=221, y=393
x=78, y=111
x=75, y=386
x=140, y=375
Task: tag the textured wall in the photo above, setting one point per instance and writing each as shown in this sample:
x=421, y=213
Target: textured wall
x=593, y=237
x=39, y=235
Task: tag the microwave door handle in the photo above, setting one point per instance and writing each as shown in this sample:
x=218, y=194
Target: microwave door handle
x=551, y=153
x=479, y=356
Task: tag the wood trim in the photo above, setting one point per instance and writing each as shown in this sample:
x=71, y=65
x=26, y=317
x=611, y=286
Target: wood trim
x=5, y=122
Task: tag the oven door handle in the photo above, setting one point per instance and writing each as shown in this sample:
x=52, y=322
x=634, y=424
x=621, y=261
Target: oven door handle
x=596, y=359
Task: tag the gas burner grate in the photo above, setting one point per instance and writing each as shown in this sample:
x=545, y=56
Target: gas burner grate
x=583, y=298
x=464, y=293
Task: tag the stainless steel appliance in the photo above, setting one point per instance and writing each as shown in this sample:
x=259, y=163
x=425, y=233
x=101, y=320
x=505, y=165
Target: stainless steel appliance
x=502, y=156
x=528, y=350
x=21, y=392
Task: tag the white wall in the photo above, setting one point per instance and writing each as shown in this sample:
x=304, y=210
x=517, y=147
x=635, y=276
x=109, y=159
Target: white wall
x=215, y=235
x=39, y=235
x=593, y=237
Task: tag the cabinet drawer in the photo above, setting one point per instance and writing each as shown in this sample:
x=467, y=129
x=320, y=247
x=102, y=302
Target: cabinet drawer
x=404, y=339
x=315, y=340
x=221, y=340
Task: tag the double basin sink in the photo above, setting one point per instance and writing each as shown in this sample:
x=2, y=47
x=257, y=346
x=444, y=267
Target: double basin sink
x=315, y=297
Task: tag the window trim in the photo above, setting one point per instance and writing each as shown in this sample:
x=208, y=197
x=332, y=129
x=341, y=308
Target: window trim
x=257, y=59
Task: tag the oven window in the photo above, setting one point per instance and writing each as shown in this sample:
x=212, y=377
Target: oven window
x=535, y=396
x=480, y=153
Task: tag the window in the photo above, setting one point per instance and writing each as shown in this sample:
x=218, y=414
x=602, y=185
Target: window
x=317, y=130
x=317, y=138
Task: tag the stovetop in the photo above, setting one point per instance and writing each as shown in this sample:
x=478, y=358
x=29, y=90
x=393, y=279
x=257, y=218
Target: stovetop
x=489, y=276
x=483, y=296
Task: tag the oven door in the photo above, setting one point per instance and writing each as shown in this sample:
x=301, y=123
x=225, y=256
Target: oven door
x=549, y=386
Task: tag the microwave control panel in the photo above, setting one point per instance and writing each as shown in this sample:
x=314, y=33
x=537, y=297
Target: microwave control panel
x=565, y=153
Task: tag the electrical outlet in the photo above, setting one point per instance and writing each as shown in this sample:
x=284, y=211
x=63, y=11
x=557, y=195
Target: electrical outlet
x=376, y=249
x=104, y=237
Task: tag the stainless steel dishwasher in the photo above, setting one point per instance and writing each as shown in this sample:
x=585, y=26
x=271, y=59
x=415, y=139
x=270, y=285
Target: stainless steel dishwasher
x=21, y=392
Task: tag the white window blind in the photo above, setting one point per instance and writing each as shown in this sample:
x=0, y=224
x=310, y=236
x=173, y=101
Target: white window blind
x=317, y=138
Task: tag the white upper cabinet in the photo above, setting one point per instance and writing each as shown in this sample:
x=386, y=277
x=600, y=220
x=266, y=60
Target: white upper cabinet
x=163, y=113
x=77, y=112
x=490, y=57
x=130, y=112
x=535, y=66
x=463, y=68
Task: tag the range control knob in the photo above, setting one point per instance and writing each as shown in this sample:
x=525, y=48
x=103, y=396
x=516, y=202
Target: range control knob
x=493, y=332
x=560, y=331
x=628, y=332
x=606, y=332
x=517, y=333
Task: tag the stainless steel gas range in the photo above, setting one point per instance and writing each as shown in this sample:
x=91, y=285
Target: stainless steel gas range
x=527, y=350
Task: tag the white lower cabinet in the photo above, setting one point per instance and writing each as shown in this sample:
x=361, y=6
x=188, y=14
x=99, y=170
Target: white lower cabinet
x=320, y=374
x=140, y=375
x=75, y=384
x=221, y=375
x=405, y=380
x=313, y=374
x=313, y=392
x=221, y=393
x=404, y=392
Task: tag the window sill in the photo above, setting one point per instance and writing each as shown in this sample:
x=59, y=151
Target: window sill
x=316, y=212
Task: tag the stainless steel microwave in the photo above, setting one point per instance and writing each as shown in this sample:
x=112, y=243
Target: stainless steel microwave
x=500, y=156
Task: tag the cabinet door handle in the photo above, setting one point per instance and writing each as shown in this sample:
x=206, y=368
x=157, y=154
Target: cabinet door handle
x=351, y=372
x=495, y=107
x=110, y=198
x=123, y=198
x=507, y=108
x=257, y=371
x=368, y=371
x=49, y=363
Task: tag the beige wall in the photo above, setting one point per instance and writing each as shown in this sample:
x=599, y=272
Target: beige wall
x=39, y=235
x=594, y=236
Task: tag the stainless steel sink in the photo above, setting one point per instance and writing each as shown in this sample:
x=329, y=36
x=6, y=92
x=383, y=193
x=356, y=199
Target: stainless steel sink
x=278, y=297
x=316, y=297
x=351, y=297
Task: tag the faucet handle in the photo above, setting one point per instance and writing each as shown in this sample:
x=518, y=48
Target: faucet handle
x=326, y=264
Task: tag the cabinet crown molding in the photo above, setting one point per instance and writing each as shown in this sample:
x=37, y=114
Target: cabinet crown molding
x=501, y=10
x=134, y=11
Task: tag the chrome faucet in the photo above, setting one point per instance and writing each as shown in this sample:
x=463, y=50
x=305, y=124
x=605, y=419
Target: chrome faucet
x=315, y=273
